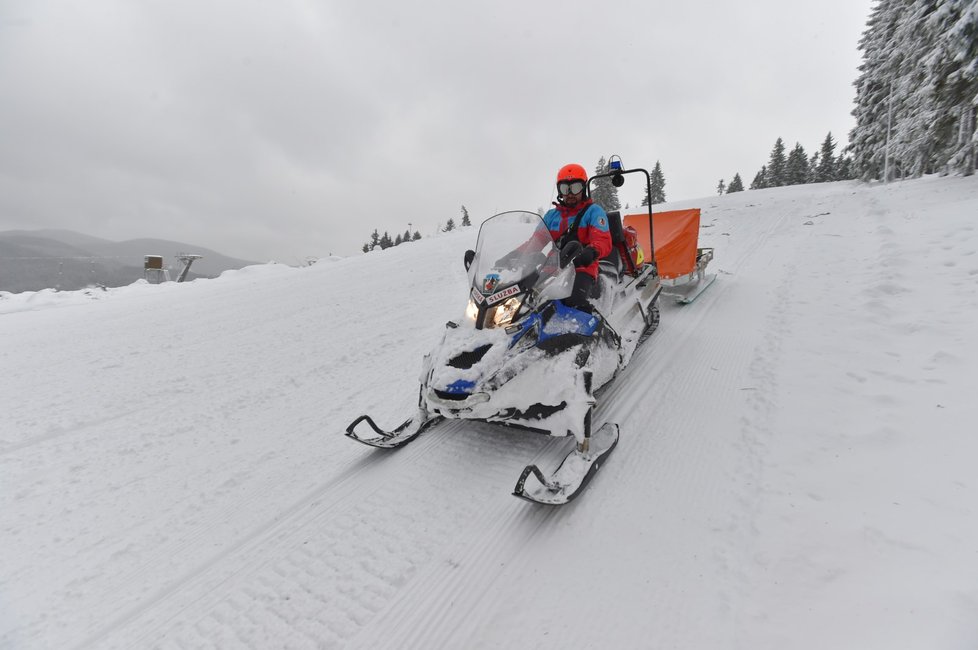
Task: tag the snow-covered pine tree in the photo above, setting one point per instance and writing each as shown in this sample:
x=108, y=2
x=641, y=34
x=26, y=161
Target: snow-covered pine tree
x=602, y=191
x=736, y=185
x=465, y=217
x=812, y=167
x=449, y=225
x=406, y=236
x=598, y=194
x=844, y=169
x=915, y=138
x=796, y=169
x=658, y=189
x=416, y=236
x=760, y=179
x=918, y=89
x=776, y=165
x=874, y=92
x=398, y=240
x=386, y=241
x=826, y=171
x=958, y=99
x=374, y=239
x=721, y=187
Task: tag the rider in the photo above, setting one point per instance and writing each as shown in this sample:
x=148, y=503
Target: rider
x=576, y=217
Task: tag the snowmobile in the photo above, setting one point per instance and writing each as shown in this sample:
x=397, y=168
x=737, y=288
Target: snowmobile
x=521, y=357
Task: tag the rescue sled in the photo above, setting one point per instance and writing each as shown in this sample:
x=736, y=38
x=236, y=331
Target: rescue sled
x=674, y=236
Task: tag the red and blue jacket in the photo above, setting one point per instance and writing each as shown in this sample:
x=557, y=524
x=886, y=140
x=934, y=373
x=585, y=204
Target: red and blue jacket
x=592, y=229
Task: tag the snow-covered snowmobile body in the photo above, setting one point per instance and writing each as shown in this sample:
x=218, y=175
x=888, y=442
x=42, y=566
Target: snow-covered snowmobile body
x=521, y=356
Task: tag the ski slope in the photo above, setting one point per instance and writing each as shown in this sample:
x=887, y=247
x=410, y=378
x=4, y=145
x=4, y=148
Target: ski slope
x=796, y=467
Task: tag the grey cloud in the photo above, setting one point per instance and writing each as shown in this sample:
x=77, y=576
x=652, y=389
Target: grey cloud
x=280, y=130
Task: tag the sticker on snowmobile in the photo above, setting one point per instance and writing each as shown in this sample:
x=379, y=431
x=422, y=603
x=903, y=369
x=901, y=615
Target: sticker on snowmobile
x=490, y=282
x=502, y=295
x=477, y=297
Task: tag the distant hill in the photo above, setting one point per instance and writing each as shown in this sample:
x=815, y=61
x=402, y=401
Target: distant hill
x=31, y=260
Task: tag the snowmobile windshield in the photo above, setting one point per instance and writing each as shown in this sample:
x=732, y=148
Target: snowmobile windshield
x=515, y=261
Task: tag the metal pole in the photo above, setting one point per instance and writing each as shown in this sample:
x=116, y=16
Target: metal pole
x=889, y=126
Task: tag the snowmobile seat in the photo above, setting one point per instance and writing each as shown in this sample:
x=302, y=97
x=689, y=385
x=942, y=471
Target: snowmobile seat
x=619, y=246
x=611, y=264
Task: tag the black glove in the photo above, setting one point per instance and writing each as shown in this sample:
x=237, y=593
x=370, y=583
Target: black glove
x=586, y=257
x=569, y=252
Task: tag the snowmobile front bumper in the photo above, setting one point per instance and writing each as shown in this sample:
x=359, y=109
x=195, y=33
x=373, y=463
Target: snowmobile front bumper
x=464, y=405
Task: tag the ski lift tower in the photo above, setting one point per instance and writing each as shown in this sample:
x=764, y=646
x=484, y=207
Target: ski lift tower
x=187, y=260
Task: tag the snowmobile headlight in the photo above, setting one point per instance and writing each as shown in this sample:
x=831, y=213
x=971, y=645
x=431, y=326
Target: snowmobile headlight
x=505, y=312
x=471, y=310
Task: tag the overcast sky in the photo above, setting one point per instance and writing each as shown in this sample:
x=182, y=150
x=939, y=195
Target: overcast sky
x=291, y=129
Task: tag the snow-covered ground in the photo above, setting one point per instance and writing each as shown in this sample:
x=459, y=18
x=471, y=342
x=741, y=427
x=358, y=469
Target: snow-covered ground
x=796, y=467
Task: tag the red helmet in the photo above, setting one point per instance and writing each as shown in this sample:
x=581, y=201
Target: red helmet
x=572, y=172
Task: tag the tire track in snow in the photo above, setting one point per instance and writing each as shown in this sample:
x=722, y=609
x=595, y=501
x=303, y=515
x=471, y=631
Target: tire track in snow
x=331, y=493
x=426, y=519
x=81, y=427
x=277, y=560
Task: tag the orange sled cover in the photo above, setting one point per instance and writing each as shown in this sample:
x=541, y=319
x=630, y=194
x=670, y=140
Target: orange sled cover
x=676, y=237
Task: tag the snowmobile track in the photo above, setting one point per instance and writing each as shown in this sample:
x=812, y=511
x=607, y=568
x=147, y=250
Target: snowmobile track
x=213, y=573
x=225, y=585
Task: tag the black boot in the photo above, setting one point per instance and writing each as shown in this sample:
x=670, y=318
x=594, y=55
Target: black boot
x=583, y=285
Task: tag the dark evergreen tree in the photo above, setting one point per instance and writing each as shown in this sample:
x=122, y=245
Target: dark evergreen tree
x=721, y=187
x=812, y=166
x=825, y=171
x=386, y=241
x=796, y=169
x=398, y=240
x=366, y=248
x=449, y=226
x=417, y=236
x=602, y=191
x=776, y=165
x=374, y=239
x=406, y=236
x=844, y=169
x=760, y=179
x=465, y=217
x=658, y=189
x=736, y=185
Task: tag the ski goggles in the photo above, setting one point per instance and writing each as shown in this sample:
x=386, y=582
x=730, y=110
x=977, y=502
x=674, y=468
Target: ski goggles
x=570, y=187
